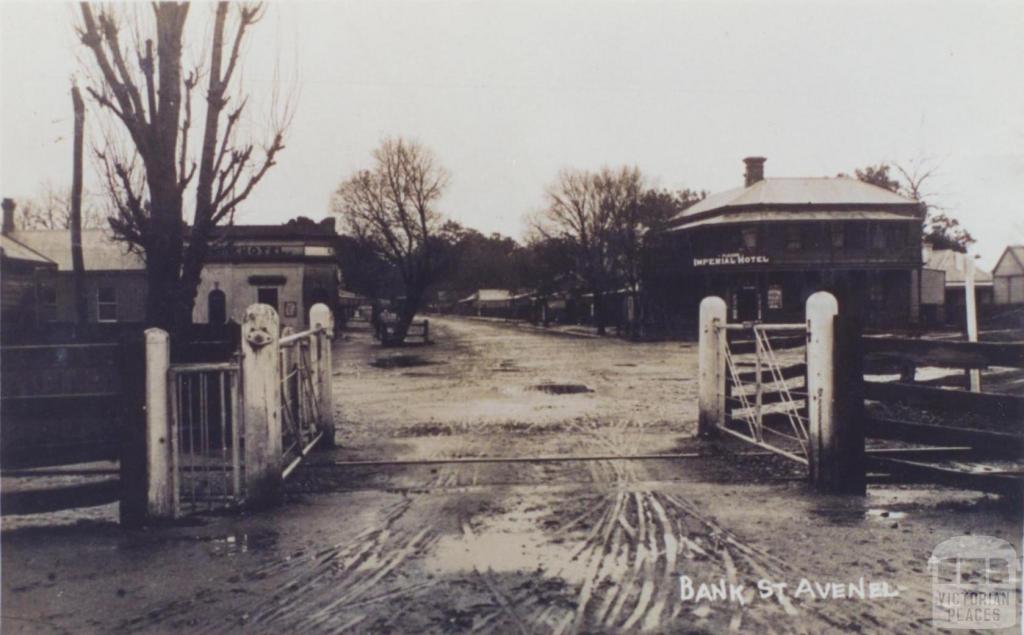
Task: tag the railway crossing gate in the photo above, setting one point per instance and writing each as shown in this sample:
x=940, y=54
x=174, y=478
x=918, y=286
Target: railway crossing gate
x=226, y=434
x=779, y=387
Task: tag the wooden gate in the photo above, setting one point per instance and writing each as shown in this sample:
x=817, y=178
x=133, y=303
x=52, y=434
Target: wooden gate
x=62, y=403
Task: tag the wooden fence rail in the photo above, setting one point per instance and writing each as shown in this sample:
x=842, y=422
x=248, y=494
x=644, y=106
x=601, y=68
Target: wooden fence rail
x=1001, y=407
x=943, y=354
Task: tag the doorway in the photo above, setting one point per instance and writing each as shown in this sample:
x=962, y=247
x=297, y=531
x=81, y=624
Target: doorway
x=267, y=295
x=748, y=304
x=216, y=307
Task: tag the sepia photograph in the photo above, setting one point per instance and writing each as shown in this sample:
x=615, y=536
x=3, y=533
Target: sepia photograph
x=511, y=317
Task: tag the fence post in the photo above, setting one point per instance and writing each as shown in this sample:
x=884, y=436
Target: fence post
x=426, y=331
x=289, y=398
x=850, y=462
x=711, y=372
x=261, y=398
x=320, y=316
x=160, y=481
x=132, y=367
x=834, y=399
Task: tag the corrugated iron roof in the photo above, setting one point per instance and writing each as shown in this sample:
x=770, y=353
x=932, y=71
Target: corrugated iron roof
x=840, y=190
x=769, y=216
x=954, y=264
x=99, y=249
x=11, y=248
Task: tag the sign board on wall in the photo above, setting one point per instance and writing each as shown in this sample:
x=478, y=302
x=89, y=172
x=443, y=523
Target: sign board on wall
x=734, y=259
x=775, y=296
x=255, y=251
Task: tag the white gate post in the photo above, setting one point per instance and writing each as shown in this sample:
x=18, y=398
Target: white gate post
x=261, y=396
x=821, y=311
x=320, y=316
x=711, y=373
x=160, y=479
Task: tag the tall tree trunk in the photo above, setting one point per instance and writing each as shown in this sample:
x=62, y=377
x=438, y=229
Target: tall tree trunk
x=413, y=299
x=77, y=259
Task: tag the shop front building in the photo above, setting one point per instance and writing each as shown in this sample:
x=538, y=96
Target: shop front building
x=766, y=247
x=289, y=267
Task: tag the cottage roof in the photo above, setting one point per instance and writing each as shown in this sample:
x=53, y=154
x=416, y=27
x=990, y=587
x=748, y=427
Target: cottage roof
x=99, y=249
x=489, y=295
x=954, y=264
x=1016, y=252
x=799, y=191
x=11, y=248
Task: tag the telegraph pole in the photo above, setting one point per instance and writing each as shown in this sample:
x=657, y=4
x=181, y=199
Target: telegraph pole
x=77, y=260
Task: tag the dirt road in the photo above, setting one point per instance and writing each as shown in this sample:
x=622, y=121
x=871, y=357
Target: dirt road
x=553, y=546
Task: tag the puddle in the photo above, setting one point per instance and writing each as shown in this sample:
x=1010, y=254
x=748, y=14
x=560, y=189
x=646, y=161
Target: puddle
x=884, y=514
x=853, y=515
x=243, y=542
x=562, y=389
x=401, y=361
x=509, y=543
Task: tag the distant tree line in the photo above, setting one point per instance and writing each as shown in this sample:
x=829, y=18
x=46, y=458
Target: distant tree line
x=589, y=235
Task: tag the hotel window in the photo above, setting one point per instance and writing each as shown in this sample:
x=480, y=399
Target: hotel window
x=897, y=235
x=106, y=304
x=47, y=303
x=876, y=293
x=856, y=235
x=793, y=242
x=838, y=237
x=878, y=237
x=750, y=237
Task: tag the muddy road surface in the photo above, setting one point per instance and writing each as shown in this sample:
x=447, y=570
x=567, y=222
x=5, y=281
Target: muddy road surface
x=412, y=526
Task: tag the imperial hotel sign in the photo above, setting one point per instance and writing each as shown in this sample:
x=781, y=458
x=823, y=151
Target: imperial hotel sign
x=731, y=259
x=768, y=245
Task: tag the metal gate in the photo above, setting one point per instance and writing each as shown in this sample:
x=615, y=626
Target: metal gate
x=766, y=398
x=207, y=437
x=302, y=357
x=207, y=426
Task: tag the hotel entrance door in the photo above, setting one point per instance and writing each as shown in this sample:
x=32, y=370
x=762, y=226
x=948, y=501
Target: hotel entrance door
x=748, y=305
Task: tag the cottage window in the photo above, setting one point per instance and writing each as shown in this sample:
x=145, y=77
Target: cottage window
x=793, y=242
x=106, y=304
x=750, y=237
x=47, y=303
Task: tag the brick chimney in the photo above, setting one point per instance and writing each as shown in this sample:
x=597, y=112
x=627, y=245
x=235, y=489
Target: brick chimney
x=755, y=170
x=8, y=226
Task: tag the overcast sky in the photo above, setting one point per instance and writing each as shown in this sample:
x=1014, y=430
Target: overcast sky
x=508, y=93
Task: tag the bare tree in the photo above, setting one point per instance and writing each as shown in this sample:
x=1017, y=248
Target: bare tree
x=147, y=163
x=943, y=230
x=50, y=208
x=390, y=208
x=600, y=215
